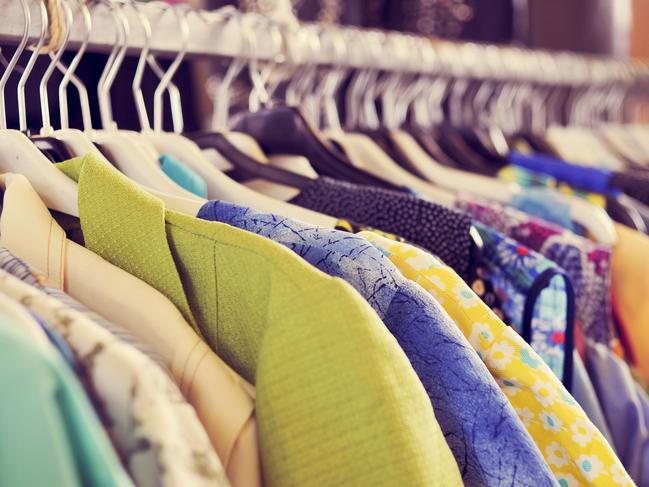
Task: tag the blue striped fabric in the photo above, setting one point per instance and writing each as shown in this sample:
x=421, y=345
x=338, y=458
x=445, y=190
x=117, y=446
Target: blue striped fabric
x=17, y=267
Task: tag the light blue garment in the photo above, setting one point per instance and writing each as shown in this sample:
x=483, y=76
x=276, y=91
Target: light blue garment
x=546, y=204
x=183, y=176
x=584, y=393
x=477, y=420
x=626, y=407
x=50, y=432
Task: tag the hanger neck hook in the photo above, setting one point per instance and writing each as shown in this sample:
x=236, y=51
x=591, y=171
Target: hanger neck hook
x=55, y=58
x=181, y=16
x=68, y=75
x=13, y=61
x=119, y=59
x=136, y=87
x=221, y=109
x=259, y=95
x=103, y=86
x=22, y=110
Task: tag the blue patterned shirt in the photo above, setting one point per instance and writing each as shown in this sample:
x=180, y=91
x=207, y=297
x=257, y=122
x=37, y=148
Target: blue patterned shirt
x=490, y=444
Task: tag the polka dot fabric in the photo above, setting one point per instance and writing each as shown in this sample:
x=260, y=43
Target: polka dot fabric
x=442, y=231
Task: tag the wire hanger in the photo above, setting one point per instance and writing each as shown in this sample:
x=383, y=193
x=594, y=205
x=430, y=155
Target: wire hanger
x=132, y=154
x=220, y=186
x=236, y=148
x=17, y=153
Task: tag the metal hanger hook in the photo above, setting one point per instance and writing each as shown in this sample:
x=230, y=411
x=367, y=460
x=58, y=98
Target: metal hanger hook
x=181, y=17
x=68, y=75
x=67, y=22
x=13, y=61
x=22, y=82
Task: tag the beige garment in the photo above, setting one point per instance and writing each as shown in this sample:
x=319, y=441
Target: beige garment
x=223, y=400
x=156, y=433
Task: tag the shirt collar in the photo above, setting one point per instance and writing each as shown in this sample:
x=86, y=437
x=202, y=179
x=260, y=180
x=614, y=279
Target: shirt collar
x=28, y=230
x=108, y=202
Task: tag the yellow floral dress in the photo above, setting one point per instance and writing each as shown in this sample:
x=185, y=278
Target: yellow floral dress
x=574, y=448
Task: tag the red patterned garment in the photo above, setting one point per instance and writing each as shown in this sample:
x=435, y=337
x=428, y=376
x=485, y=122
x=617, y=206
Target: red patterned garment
x=586, y=263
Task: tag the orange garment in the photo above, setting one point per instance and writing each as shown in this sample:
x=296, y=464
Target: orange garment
x=630, y=289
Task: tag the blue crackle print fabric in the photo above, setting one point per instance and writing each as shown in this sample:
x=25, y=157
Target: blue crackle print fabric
x=489, y=443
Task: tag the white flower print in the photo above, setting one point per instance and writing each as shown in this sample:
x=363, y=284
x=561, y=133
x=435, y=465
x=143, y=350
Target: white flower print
x=550, y=421
x=545, y=393
x=419, y=261
x=500, y=355
x=556, y=455
x=480, y=332
x=526, y=415
x=591, y=466
x=619, y=475
x=466, y=297
x=437, y=282
x=509, y=386
x=582, y=432
x=566, y=480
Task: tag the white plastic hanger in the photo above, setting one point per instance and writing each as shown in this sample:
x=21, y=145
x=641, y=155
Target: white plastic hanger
x=128, y=153
x=591, y=217
x=219, y=185
x=17, y=153
x=364, y=153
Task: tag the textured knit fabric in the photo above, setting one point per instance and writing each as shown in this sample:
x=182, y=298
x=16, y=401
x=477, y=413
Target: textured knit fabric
x=183, y=176
x=50, y=433
x=337, y=400
x=17, y=267
x=475, y=418
x=585, y=262
x=157, y=434
x=205, y=380
x=436, y=228
x=536, y=295
x=575, y=450
x=626, y=407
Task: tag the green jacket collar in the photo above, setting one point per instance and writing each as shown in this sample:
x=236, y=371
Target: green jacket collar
x=115, y=199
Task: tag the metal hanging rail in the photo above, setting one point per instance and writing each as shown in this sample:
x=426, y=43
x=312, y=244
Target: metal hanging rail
x=225, y=33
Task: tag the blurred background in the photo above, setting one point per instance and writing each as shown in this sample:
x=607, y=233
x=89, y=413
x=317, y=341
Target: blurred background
x=607, y=27
x=618, y=28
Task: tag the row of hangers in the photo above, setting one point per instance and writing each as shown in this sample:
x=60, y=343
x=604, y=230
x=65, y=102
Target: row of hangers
x=374, y=148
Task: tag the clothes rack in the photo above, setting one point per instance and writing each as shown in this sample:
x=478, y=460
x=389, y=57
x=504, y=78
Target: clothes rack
x=218, y=33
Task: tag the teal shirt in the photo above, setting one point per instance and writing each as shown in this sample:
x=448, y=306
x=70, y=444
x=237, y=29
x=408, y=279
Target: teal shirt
x=50, y=432
x=183, y=176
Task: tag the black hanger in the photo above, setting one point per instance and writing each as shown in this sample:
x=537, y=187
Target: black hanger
x=428, y=142
x=54, y=149
x=456, y=147
x=383, y=138
x=246, y=166
x=284, y=130
x=539, y=144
